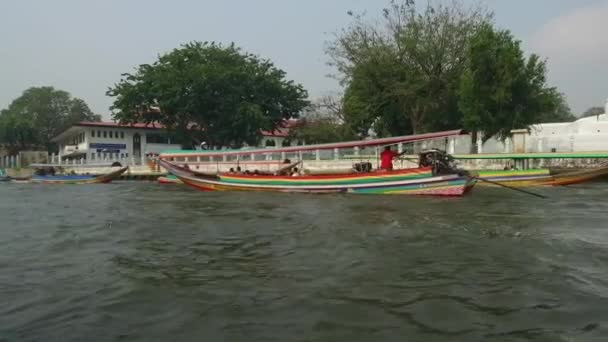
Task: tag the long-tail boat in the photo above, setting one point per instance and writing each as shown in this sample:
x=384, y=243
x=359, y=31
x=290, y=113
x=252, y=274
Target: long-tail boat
x=435, y=175
x=78, y=179
x=543, y=177
x=168, y=179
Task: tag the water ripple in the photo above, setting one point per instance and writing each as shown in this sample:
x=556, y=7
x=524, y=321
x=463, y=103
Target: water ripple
x=140, y=262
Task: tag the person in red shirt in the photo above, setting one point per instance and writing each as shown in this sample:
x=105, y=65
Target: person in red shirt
x=386, y=158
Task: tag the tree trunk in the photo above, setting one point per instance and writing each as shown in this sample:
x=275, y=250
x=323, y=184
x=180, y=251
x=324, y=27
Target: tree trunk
x=473, y=149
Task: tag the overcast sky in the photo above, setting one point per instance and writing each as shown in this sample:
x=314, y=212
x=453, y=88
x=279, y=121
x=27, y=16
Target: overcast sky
x=83, y=46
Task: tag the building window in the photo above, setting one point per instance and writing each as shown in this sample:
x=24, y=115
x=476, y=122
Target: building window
x=157, y=138
x=111, y=133
x=105, y=134
x=122, y=135
x=126, y=155
x=92, y=134
x=270, y=143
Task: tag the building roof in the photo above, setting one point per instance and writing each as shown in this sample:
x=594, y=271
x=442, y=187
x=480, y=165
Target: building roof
x=282, y=131
x=78, y=127
x=118, y=125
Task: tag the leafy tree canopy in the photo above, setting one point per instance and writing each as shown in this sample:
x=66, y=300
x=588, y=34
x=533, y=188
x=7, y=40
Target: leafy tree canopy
x=439, y=67
x=40, y=114
x=501, y=90
x=209, y=92
x=323, y=122
x=401, y=73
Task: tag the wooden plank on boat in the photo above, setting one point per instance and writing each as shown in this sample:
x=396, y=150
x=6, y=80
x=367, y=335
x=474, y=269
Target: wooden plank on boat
x=88, y=165
x=303, y=148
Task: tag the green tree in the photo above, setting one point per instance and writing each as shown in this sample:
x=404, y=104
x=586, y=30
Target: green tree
x=205, y=91
x=402, y=73
x=593, y=111
x=501, y=90
x=40, y=114
x=557, y=110
x=323, y=122
x=317, y=131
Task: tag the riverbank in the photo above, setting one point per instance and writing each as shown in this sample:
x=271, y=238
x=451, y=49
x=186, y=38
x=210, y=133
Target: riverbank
x=479, y=162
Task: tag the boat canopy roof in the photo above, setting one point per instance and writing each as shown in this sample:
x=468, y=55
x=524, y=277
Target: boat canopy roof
x=348, y=144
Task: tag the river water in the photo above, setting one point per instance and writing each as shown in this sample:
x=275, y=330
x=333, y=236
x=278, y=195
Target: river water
x=135, y=261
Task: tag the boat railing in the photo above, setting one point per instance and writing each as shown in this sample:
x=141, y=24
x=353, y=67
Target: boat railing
x=343, y=159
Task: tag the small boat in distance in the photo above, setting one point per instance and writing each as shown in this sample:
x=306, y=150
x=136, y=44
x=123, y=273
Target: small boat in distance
x=169, y=179
x=78, y=179
x=3, y=176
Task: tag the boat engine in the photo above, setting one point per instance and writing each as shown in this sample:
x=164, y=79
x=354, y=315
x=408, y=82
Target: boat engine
x=442, y=162
x=363, y=167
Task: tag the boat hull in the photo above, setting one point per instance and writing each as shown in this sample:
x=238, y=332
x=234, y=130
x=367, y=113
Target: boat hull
x=542, y=177
x=402, y=182
x=169, y=180
x=68, y=179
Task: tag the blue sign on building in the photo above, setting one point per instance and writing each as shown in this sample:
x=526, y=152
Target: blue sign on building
x=108, y=146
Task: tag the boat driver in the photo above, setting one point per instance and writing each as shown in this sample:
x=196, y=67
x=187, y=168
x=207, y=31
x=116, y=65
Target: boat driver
x=386, y=158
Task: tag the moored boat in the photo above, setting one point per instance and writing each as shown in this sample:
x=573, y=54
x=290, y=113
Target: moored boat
x=516, y=178
x=3, y=176
x=543, y=177
x=78, y=179
x=169, y=179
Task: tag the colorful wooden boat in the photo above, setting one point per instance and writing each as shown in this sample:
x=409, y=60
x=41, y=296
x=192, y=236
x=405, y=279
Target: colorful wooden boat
x=418, y=181
x=79, y=179
x=514, y=177
x=543, y=177
x=169, y=179
x=422, y=180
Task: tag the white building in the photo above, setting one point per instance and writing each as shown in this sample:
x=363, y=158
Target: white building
x=104, y=142
x=280, y=136
x=588, y=134
x=101, y=142
x=582, y=135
